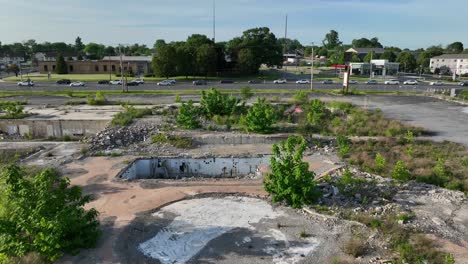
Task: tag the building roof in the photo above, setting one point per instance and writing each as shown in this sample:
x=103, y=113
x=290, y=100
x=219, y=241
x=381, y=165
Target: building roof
x=366, y=50
x=451, y=56
x=128, y=58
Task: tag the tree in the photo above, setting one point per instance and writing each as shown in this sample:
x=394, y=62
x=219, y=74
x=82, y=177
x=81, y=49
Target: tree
x=61, y=67
x=455, y=47
x=366, y=43
x=291, y=44
x=79, y=46
x=261, y=117
x=184, y=60
x=13, y=68
x=371, y=56
x=159, y=44
x=388, y=55
x=425, y=56
x=290, y=179
x=188, y=115
x=355, y=58
x=45, y=215
x=407, y=61
x=400, y=172
x=94, y=51
x=331, y=40
x=214, y=103
x=164, y=63
x=206, y=59
x=246, y=62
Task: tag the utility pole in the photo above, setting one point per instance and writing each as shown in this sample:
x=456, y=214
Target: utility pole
x=121, y=70
x=312, y=69
x=214, y=21
x=285, y=39
x=370, y=64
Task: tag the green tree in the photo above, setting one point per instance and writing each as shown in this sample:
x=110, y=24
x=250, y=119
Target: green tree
x=425, y=56
x=400, y=172
x=79, y=46
x=45, y=215
x=188, y=115
x=159, y=44
x=261, y=117
x=94, y=51
x=455, y=47
x=184, y=60
x=407, y=61
x=214, y=103
x=206, y=59
x=246, y=62
x=355, y=58
x=371, y=56
x=290, y=179
x=61, y=67
x=164, y=63
x=331, y=40
x=366, y=43
x=388, y=55
x=13, y=68
x=379, y=163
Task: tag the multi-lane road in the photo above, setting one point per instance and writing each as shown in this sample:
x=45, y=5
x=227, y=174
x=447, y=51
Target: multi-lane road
x=49, y=86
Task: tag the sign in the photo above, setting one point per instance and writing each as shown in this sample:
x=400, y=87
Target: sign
x=338, y=66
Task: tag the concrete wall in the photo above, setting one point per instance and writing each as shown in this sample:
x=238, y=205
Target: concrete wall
x=41, y=129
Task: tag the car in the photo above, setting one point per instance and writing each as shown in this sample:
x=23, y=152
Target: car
x=199, y=82
x=255, y=81
x=392, y=82
x=26, y=83
x=463, y=84
x=63, y=81
x=133, y=83
x=280, y=81
x=139, y=81
x=226, y=81
x=353, y=82
x=303, y=81
x=165, y=83
x=75, y=84
x=103, y=82
x=172, y=81
x=327, y=82
x=371, y=82
x=437, y=83
x=410, y=82
x=116, y=82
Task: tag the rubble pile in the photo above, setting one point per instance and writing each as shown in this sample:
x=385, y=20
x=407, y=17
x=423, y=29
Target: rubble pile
x=117, y=137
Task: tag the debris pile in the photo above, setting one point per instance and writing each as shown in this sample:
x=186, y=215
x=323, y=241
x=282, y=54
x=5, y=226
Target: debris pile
x=117, y=137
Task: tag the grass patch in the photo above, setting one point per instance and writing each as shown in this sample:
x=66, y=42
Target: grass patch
x=355, y=247
x=174, y=140
x=126, y=118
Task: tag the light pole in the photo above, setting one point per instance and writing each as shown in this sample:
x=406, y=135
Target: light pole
x=312, y=69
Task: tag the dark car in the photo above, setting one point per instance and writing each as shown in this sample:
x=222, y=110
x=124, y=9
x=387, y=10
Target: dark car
x=63, y=81
x=226, y=81
x=463, y=84
x=103, y=82
x=255, y=81
x=371, y=82
x=133, y=83
x=199, y=82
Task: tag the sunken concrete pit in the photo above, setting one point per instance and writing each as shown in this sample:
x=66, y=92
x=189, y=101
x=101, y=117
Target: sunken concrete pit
x=176, y=168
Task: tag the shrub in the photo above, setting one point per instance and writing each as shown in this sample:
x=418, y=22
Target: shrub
x=176, y=141
x=215, y=103
x=12, y=109
x=261, y=117
x=178, y=99
x=343, y=143
x=316, y=113
x=99, y=99
x=126, y=117
x=379, y=163
x=301, y=97
x=290, y=179
x=355, y=247
x=188, y=115
x=46, y=216
x=246, y=93
x=400, y=172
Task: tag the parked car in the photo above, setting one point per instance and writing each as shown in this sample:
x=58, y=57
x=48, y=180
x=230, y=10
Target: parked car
x=116, y=82
x=371, y=82
x=353, y=82
x=410, y=82
x=63, y=81
x=133, y=83
x=165, y=83
x=103, y=82
x=303, y=81
x=172, y=81
x=226, y=81
x=280, y=81
x=327, y=82
x=75, y=84
x=463, y=84
x=437, y=83
x=392, y=82
x=26, y=83
x=139, y=81
x=255, y=81
x=199, y=82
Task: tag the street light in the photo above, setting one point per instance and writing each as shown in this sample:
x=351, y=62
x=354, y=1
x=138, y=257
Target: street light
x=312, y=69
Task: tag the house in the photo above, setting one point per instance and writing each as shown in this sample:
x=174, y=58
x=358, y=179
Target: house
x=362, y=52
x=378, y=67
x=52, y=56
x=455, y=63
x=110, y=64
x=12, y=58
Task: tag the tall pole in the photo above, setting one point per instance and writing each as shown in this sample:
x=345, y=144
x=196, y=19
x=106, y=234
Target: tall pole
x=214, y=21
x=285, y=40
x=370, y=64
x=312, y=69
x=121, y=70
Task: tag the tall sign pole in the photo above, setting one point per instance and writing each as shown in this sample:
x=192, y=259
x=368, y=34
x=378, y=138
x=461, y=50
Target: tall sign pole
x=312, y=69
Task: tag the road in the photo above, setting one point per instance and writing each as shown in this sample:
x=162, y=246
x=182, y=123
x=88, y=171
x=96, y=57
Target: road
x=47, y=86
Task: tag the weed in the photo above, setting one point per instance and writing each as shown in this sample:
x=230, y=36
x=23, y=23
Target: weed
x=303, y=234
x=176, y=141
x=400, y=172
x=355, y=247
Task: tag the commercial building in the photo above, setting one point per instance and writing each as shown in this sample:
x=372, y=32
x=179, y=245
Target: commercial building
x=110, y=64
x=454, y=63
x=378, y=67
x=362, y=52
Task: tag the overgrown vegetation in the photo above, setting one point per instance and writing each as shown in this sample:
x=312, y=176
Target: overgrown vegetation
x=12, y=110
x=126, y=117
x=290, y=179
x=99, y=99
x=188, y=115
x=174, y=140
x=214, y=103
x=246, y=93
x=40, y=213
x=261, y=117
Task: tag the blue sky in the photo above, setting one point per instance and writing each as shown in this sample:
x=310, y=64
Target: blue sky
x=403, y=23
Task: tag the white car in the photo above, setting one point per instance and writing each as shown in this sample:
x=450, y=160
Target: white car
x=438, y=83
x=410, y=82
x=280, y=81
x=139, y=81
x=26, y=83
x=165, y=83
x=116, y=82
x=75, y=84
x=303, y=81
x=172, y=81
x=392, y=82
x=353, y=82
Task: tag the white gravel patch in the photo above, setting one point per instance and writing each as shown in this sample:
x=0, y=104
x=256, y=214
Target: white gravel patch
x=199, y=221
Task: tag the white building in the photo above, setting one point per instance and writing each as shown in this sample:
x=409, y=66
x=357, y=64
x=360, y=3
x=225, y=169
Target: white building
x=378, y=67
x=7, y=59
x=457, y=63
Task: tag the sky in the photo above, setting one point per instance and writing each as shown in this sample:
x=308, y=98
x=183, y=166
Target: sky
x=403, y=23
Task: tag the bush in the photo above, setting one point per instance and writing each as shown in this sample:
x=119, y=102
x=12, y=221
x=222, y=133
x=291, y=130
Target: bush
x=379, y=163
x=400, y=172
x=290, y=179
x=355, y=247
x=178, y=99
x=46, y=215
x=176, y=141
x=261, y=117
x=188, y=115
x=99, y=99
x=343, y=144
x=12, y=109
x=215, y=103
x=301, y=97
x=317, y=114
x=126, y=117
x=246, y=93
